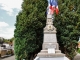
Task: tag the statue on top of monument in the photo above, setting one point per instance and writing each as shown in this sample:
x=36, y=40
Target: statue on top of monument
x=52, y=7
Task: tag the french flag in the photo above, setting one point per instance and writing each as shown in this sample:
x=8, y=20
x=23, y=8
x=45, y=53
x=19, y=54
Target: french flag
x=53, y=6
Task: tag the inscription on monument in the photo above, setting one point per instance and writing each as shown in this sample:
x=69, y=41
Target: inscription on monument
x=50, y=38
x=50, y=46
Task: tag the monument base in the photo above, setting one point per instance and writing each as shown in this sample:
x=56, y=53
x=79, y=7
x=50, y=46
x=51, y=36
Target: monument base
x=51, y=56
x=47, y=45
x=47, y=55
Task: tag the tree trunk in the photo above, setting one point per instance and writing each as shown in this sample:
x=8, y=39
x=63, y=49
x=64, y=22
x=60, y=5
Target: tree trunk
x=32, y=57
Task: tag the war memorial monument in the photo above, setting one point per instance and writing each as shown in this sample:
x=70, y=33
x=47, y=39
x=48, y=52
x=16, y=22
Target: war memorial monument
x=50, y=48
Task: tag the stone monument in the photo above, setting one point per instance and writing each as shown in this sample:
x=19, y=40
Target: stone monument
x=50, y=48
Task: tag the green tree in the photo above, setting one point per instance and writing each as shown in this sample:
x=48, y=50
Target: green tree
x=29, y=29
x=67, y=23
x=9, y=40
x=1, y=40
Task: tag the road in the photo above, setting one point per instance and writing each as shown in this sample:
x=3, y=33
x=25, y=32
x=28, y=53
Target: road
x=9, y=58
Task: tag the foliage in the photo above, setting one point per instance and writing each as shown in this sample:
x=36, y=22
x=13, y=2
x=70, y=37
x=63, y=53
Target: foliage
x=67, y=23
x=9, y=41
x=1, y=40
x=78, y=50
x=29, y=27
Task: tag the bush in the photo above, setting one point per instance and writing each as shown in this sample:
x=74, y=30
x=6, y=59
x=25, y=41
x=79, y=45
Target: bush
x=78, y=50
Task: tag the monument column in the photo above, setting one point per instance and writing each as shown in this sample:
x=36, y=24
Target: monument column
x=50, y=48
x=50, y=40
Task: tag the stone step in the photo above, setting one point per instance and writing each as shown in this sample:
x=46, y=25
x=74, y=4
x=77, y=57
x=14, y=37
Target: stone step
x=57, y=51
x=50, y=55
x=46, y=51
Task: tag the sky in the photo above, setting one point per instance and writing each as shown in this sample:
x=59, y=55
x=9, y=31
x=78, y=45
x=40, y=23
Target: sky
x=8, y=11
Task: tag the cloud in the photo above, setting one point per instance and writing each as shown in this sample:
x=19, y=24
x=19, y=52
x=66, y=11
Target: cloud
x=9, y=5
x=6, y=31
x=3, y=24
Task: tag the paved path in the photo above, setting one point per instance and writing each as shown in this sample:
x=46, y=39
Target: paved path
x=9, y=58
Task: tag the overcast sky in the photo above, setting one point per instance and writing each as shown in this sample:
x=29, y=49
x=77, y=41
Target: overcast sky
x=8, y=11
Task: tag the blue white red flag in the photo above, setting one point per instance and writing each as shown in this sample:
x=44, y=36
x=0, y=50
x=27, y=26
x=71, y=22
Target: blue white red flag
x=53, y=7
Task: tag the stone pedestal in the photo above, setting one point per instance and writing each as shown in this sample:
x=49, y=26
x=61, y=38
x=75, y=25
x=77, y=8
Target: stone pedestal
x=50, y=42
x=50, y=39
x=51, y=57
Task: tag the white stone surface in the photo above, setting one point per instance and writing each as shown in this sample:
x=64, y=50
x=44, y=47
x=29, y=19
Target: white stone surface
x=51, y=50
x=49, y=16
x=49, y=21
x=50, y=46
x=36, y=58
x=50, y=38
x=65, y=58
x=58, y=58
